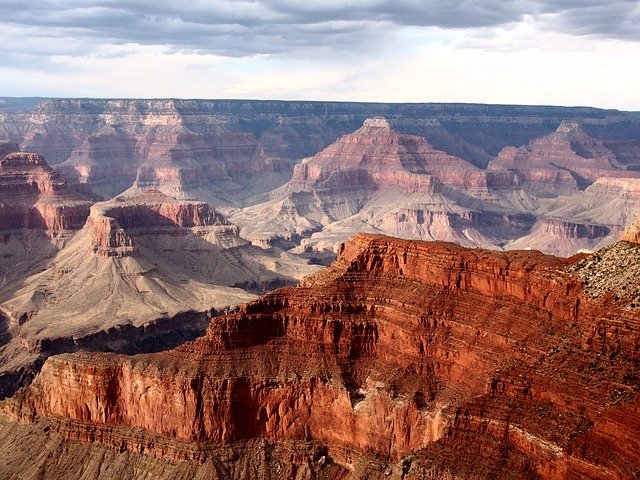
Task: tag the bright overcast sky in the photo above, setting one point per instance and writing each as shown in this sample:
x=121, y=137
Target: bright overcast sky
x=560, y=52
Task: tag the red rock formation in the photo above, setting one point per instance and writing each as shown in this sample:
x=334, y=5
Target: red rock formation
x=562, y=161
x=33, y=196
x=420, y=353
x=376, y=156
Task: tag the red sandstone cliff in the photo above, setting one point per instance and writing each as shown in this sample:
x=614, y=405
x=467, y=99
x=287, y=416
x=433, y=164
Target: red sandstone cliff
x=424, y=354
x=33, y=196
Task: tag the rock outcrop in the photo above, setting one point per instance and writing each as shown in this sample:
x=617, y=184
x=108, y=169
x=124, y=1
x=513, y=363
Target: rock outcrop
x=235, y=153
x=376, y=156
x=34, y=196
x=565, y=238
x=564, y=161
x=150, y=213
x=252, y=146
x=378, y=179
x=403, y=360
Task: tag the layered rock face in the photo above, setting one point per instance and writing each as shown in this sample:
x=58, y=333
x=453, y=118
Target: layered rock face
x=180, y=147
x=562, y=237
x=378, y=180
x=150, y=213
x=33, y=196
x=395, y=183
x=142, y=271
x=402, y=360
x=376, y=156
x=238, y=148
x=564, y=161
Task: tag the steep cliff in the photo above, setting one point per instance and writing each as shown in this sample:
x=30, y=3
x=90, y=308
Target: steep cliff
x=403, y=360
x=33, y=196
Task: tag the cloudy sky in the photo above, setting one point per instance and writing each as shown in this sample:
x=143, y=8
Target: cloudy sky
x=561, y=52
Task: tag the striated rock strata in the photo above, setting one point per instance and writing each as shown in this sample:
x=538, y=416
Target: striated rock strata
x=149, y=213
x=380, y=180
x=139, y=270
x=561, y=162
x=33, y=196
x=403, y=360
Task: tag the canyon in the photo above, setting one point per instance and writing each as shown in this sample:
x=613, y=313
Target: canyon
x=305, y=176
x=132, y=274
x=404, y=359
x=441, y=341
x=380, y=181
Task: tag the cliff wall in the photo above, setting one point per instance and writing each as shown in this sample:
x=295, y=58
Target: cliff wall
x=399, y=349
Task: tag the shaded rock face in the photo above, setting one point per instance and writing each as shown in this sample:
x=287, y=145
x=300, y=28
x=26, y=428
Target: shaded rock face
x=151, y=212
x=402, y=359
x=34, y=196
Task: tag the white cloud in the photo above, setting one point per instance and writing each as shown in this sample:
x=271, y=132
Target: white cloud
x=528, y=51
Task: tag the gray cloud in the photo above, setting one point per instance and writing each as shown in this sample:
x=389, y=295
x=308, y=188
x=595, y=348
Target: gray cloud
x=240, y=28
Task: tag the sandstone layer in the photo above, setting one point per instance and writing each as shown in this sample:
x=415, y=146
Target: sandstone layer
x=403, y=360
x=34, y=196
x=235, y=153
x=238, y=148
x=377, y=180
x=564, y=161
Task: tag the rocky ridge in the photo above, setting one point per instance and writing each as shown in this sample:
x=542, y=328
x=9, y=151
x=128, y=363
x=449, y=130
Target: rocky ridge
x=230, y=150
x=380, y=181
x=399, y=361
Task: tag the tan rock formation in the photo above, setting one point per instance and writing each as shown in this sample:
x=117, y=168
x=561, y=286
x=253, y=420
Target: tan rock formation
x=376, y=156
x=561, y=162
x=140, y=269
x=373, y=179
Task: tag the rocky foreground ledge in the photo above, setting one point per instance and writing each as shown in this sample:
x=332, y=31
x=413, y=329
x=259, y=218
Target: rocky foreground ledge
x=404, y=359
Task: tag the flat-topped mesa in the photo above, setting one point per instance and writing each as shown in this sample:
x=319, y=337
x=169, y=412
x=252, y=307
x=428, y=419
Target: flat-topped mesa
x=28, y=173
x=377, y=122
x=376, y=156
x=569, y=127
x=112, y=224
x=34, y=196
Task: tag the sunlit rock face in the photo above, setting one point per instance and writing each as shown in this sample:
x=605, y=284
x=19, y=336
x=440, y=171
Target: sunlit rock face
x=34, y=196
x=398, y=361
